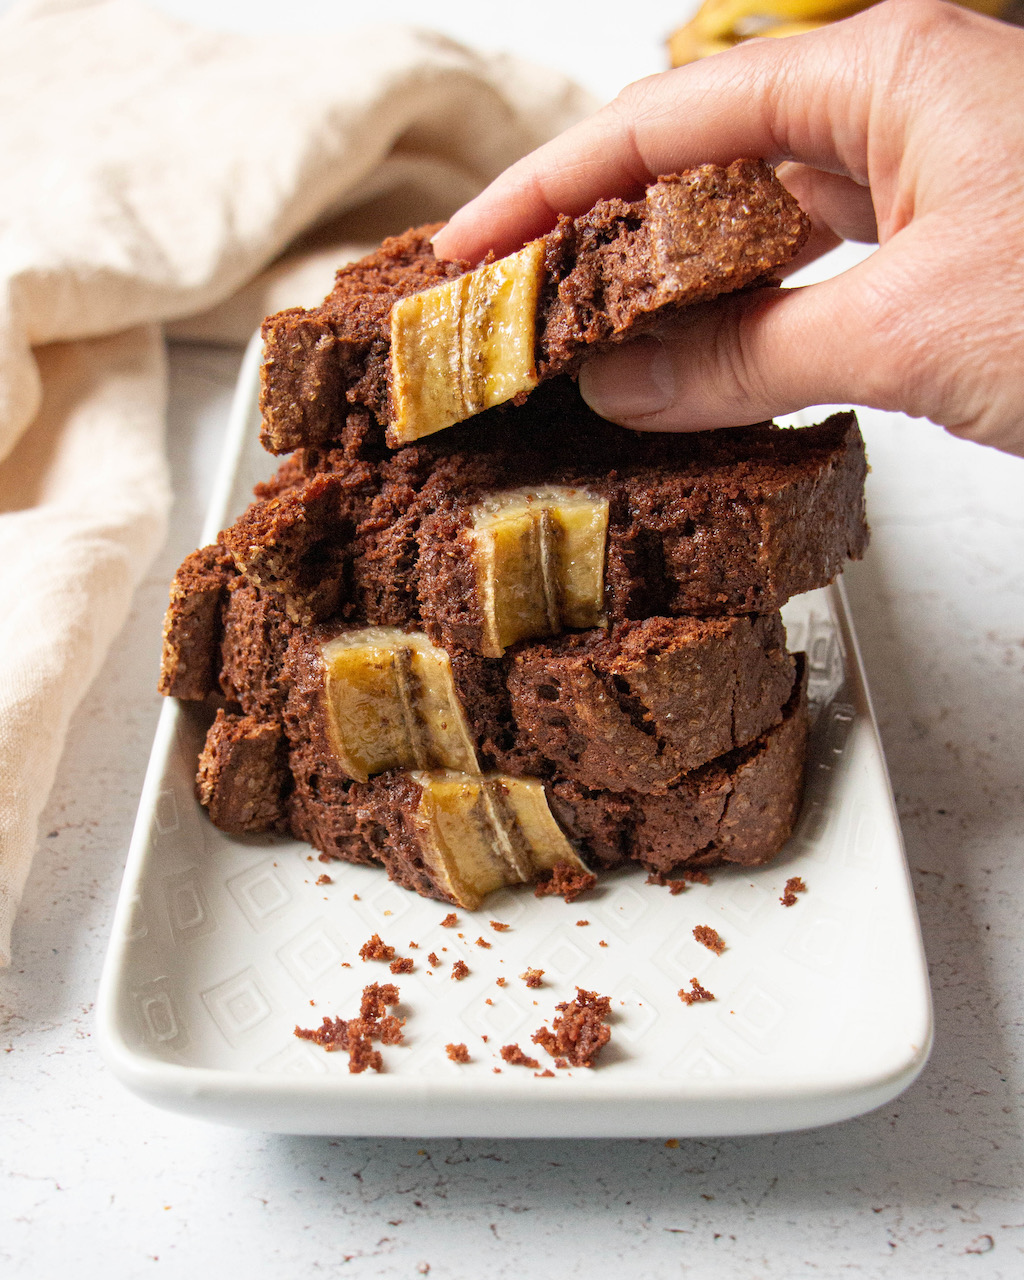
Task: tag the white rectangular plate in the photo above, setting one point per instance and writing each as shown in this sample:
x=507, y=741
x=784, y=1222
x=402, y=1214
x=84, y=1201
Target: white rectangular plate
x=222, y=945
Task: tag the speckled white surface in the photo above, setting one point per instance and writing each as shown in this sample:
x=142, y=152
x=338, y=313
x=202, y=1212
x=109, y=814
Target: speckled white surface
x=929, y=1186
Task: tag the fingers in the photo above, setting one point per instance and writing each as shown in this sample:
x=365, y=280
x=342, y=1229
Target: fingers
x=747, y=359
x=806, y=97
x=832, y=201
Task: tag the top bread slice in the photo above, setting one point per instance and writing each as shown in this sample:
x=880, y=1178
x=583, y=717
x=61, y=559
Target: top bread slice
x=607, y=275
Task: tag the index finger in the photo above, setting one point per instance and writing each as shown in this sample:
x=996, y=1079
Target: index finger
x=804, y=98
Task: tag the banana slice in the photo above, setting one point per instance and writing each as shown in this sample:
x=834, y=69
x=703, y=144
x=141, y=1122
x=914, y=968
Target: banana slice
x=478, y=834
x=391, y=704
x=539, y=556
x=464, y=346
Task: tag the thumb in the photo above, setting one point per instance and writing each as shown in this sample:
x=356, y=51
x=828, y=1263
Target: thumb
x=748, y=358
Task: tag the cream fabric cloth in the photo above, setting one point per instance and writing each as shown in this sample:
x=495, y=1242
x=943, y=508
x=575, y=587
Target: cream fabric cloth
x=150, y=172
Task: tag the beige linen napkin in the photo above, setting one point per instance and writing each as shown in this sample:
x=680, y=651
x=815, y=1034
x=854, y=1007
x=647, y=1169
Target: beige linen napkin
x=150, y=171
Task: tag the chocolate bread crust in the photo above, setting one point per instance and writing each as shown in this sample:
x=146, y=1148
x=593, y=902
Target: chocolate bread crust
x=740, y=808
x=637, y=709
x=242, y=774
x=190, y=658
x=624, y=266
x=609, y=274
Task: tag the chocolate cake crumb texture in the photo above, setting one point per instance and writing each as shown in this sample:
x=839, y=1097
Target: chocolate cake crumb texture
x=580, y=1033
x=402, y=964
x=457, y=1052
x=515, y=1057
x=696, y=994
x=565, y=881
x=794, y=885
x=434, y=959
x=460, y=970
x=376, y=949
x=675, y=887
x=533, y=977
x=709, y=938
x=356, y=1035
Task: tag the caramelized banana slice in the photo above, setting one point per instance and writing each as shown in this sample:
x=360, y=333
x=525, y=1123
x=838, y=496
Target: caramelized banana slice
x=464, y=346
x=539, y=556
x=391, y=704
x=478, y=834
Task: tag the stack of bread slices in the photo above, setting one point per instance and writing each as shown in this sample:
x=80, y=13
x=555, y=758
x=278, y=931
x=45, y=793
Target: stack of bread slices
x=475, y=633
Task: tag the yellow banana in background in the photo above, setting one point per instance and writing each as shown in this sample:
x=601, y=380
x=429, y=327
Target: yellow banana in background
x=720, y=24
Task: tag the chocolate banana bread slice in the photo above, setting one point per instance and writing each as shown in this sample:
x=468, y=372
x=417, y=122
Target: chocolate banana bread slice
x=548, y=518
x=425, y=344
x=634, y=708
x=457, y=836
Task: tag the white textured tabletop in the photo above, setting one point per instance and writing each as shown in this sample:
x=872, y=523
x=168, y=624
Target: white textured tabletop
x=931, y=1185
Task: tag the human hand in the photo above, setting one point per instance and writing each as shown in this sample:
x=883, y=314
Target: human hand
x=903, y=124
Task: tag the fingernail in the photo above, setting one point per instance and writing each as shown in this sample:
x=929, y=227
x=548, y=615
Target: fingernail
x=631, y=381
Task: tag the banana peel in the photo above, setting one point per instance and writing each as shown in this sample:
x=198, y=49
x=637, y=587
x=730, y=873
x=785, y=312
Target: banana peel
x=721, y=24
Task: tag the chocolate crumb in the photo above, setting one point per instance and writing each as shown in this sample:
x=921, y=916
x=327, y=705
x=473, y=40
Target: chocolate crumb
x=696, y=995
x=433, y=960
x=324, y=879
x=484, y=1039
x=450, y=921
x=566, y=881
x=709, y=938
x=460, y=970
x=402, y=964
x=376, y=949
x=376, y=998
x=579, y=1035
x=498, y=926
x=674, y=886
x=515, y=1057
x=794, y=885
x=532, y=977
x=355, y=1035
x=457, y=1052
x=482, y=942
